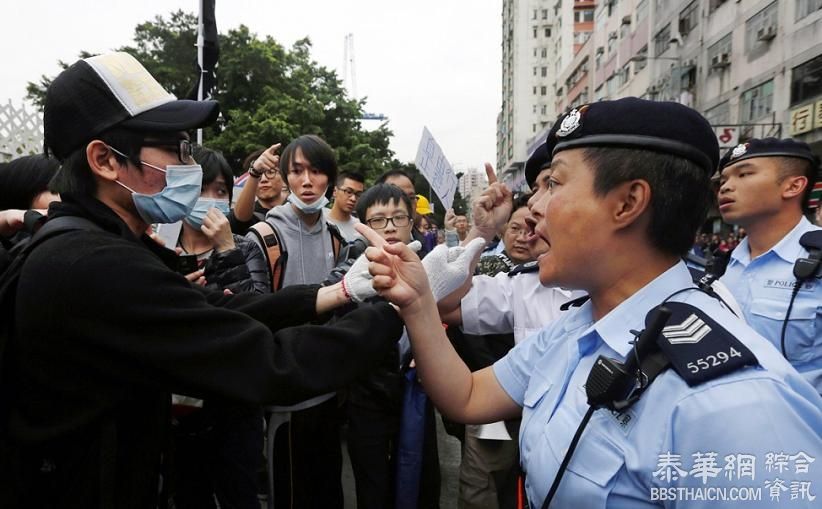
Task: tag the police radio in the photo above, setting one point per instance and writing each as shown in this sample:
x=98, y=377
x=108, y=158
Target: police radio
x=616, y=385
x=804, y=269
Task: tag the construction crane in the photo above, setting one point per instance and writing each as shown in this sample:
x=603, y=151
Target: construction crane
x=350, y=77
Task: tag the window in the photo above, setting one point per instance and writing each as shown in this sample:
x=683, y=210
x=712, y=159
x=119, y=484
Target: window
x=535, y=90
x=806, y=8
x=806, y=81
x=535, y=71
x=543, y=90
x=544, y=53
x=714, y=5
x=623, y=75
x=641, y=11
x=662, y=40
x=583, y=16
x=544, y=72
x=641, y=63
x=535, y=108
x=757, y=102
x=536, y=32
x=761, y=28
x=544, y=13
x=689, y=18
x=547, y=31
x=719, y=54
x=581, y=37
x=535, y=14
x=544, y=110
x=719, y=114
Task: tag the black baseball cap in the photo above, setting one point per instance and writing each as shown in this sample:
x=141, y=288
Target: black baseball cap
x=114, y=89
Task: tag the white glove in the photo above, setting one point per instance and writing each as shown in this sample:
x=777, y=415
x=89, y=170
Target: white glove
x=358, y=283
x=447, y=267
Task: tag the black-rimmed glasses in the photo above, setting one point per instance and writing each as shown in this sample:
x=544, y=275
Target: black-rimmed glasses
x=185, y=149
x=399, y=221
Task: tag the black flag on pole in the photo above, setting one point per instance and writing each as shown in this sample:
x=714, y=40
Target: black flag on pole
x=210, y=52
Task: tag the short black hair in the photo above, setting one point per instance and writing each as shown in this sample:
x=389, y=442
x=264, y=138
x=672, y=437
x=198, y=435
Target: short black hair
x=394, y=173
x=795, y=166
x=316, y=151
x=214, y=163
x=75, y=176
x=521, y=201
x=680, y=191
x=24, y=178
x=351, y=175
x=382, y=194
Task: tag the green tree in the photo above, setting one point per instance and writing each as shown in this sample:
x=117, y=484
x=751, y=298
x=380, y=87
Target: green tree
x=267, y=93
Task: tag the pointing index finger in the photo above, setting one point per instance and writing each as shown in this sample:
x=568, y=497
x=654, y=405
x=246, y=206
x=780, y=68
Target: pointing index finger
x=273, y=149
x=489, y=172
x=370, y=235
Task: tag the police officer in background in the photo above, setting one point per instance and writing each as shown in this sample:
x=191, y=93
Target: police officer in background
x=763, y=186
x=628, y=190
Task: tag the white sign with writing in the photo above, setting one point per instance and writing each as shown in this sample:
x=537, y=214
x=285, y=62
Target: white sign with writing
x=728, y=136
x=435, y=168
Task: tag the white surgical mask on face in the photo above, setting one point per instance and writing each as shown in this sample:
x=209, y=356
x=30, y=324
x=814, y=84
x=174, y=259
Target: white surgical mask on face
x=308, y=208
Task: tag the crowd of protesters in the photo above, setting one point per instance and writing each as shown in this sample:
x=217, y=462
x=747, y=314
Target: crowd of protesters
x=224, y=363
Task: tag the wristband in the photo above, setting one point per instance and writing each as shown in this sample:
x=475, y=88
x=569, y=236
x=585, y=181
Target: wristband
x=345, y=290
x=254, y=173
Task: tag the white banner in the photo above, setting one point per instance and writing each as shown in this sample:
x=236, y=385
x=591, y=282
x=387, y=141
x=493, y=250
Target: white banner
x=435, y=168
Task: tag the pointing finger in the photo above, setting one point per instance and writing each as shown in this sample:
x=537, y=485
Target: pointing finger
x=489, y=172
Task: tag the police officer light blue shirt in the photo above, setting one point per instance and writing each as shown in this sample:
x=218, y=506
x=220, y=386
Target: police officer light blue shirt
x=763, y=286
x=723, y=435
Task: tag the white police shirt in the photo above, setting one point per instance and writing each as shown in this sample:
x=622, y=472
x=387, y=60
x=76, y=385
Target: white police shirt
x=504, y=304
x=729, y=432
x=763, y=289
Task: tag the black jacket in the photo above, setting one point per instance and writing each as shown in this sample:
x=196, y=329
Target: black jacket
x=105, y=331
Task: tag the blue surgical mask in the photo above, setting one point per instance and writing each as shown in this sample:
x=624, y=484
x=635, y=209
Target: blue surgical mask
x=308, y=208
x=201, y=208
x=175, y=201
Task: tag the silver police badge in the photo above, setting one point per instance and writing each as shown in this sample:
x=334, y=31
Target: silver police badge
x=570, y=123
x=739, y=150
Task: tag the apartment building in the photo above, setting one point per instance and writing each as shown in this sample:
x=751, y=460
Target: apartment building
x=752, y=67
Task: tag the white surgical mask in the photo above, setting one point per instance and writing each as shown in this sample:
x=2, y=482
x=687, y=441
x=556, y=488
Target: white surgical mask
x=308, y=208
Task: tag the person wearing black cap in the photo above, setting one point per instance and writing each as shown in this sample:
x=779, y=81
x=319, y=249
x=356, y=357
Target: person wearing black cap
x=104, y=328
x=764, y=185
x=666, y=412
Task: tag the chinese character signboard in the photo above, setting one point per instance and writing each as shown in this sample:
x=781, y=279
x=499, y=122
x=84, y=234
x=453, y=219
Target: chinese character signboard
x=435, y=168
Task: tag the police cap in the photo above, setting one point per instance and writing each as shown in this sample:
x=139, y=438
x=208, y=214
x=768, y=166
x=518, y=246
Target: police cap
x=665, y=127
x=768, y=147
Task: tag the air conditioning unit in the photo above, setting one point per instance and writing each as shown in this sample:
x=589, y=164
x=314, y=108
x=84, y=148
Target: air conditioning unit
x=600, y=50
x=626, y=20
x=653, y=90
x=766, y=33
x=720, y=60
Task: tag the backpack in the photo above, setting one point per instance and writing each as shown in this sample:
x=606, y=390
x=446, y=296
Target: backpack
x=10, y=276
x=276, y=253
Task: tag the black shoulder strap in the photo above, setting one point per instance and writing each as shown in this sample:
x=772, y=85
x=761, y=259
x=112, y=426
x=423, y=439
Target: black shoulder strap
x=337, y=240
x=524, y=268
x=700, y=349
x=575, y=303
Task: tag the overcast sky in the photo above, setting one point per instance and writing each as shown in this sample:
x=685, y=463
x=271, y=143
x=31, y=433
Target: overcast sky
x=432, y=63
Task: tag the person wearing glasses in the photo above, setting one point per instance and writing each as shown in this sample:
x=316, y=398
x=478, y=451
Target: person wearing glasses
x=102, y=330
x=402, y=180
x=348, y=189
x=374, y=401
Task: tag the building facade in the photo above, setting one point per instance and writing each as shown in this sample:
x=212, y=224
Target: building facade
x=752, y=67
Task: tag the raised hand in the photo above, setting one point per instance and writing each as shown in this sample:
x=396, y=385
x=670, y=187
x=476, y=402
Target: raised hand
x=491, y=210
x=268, y=160
x=397, y=272
x=218, y=230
